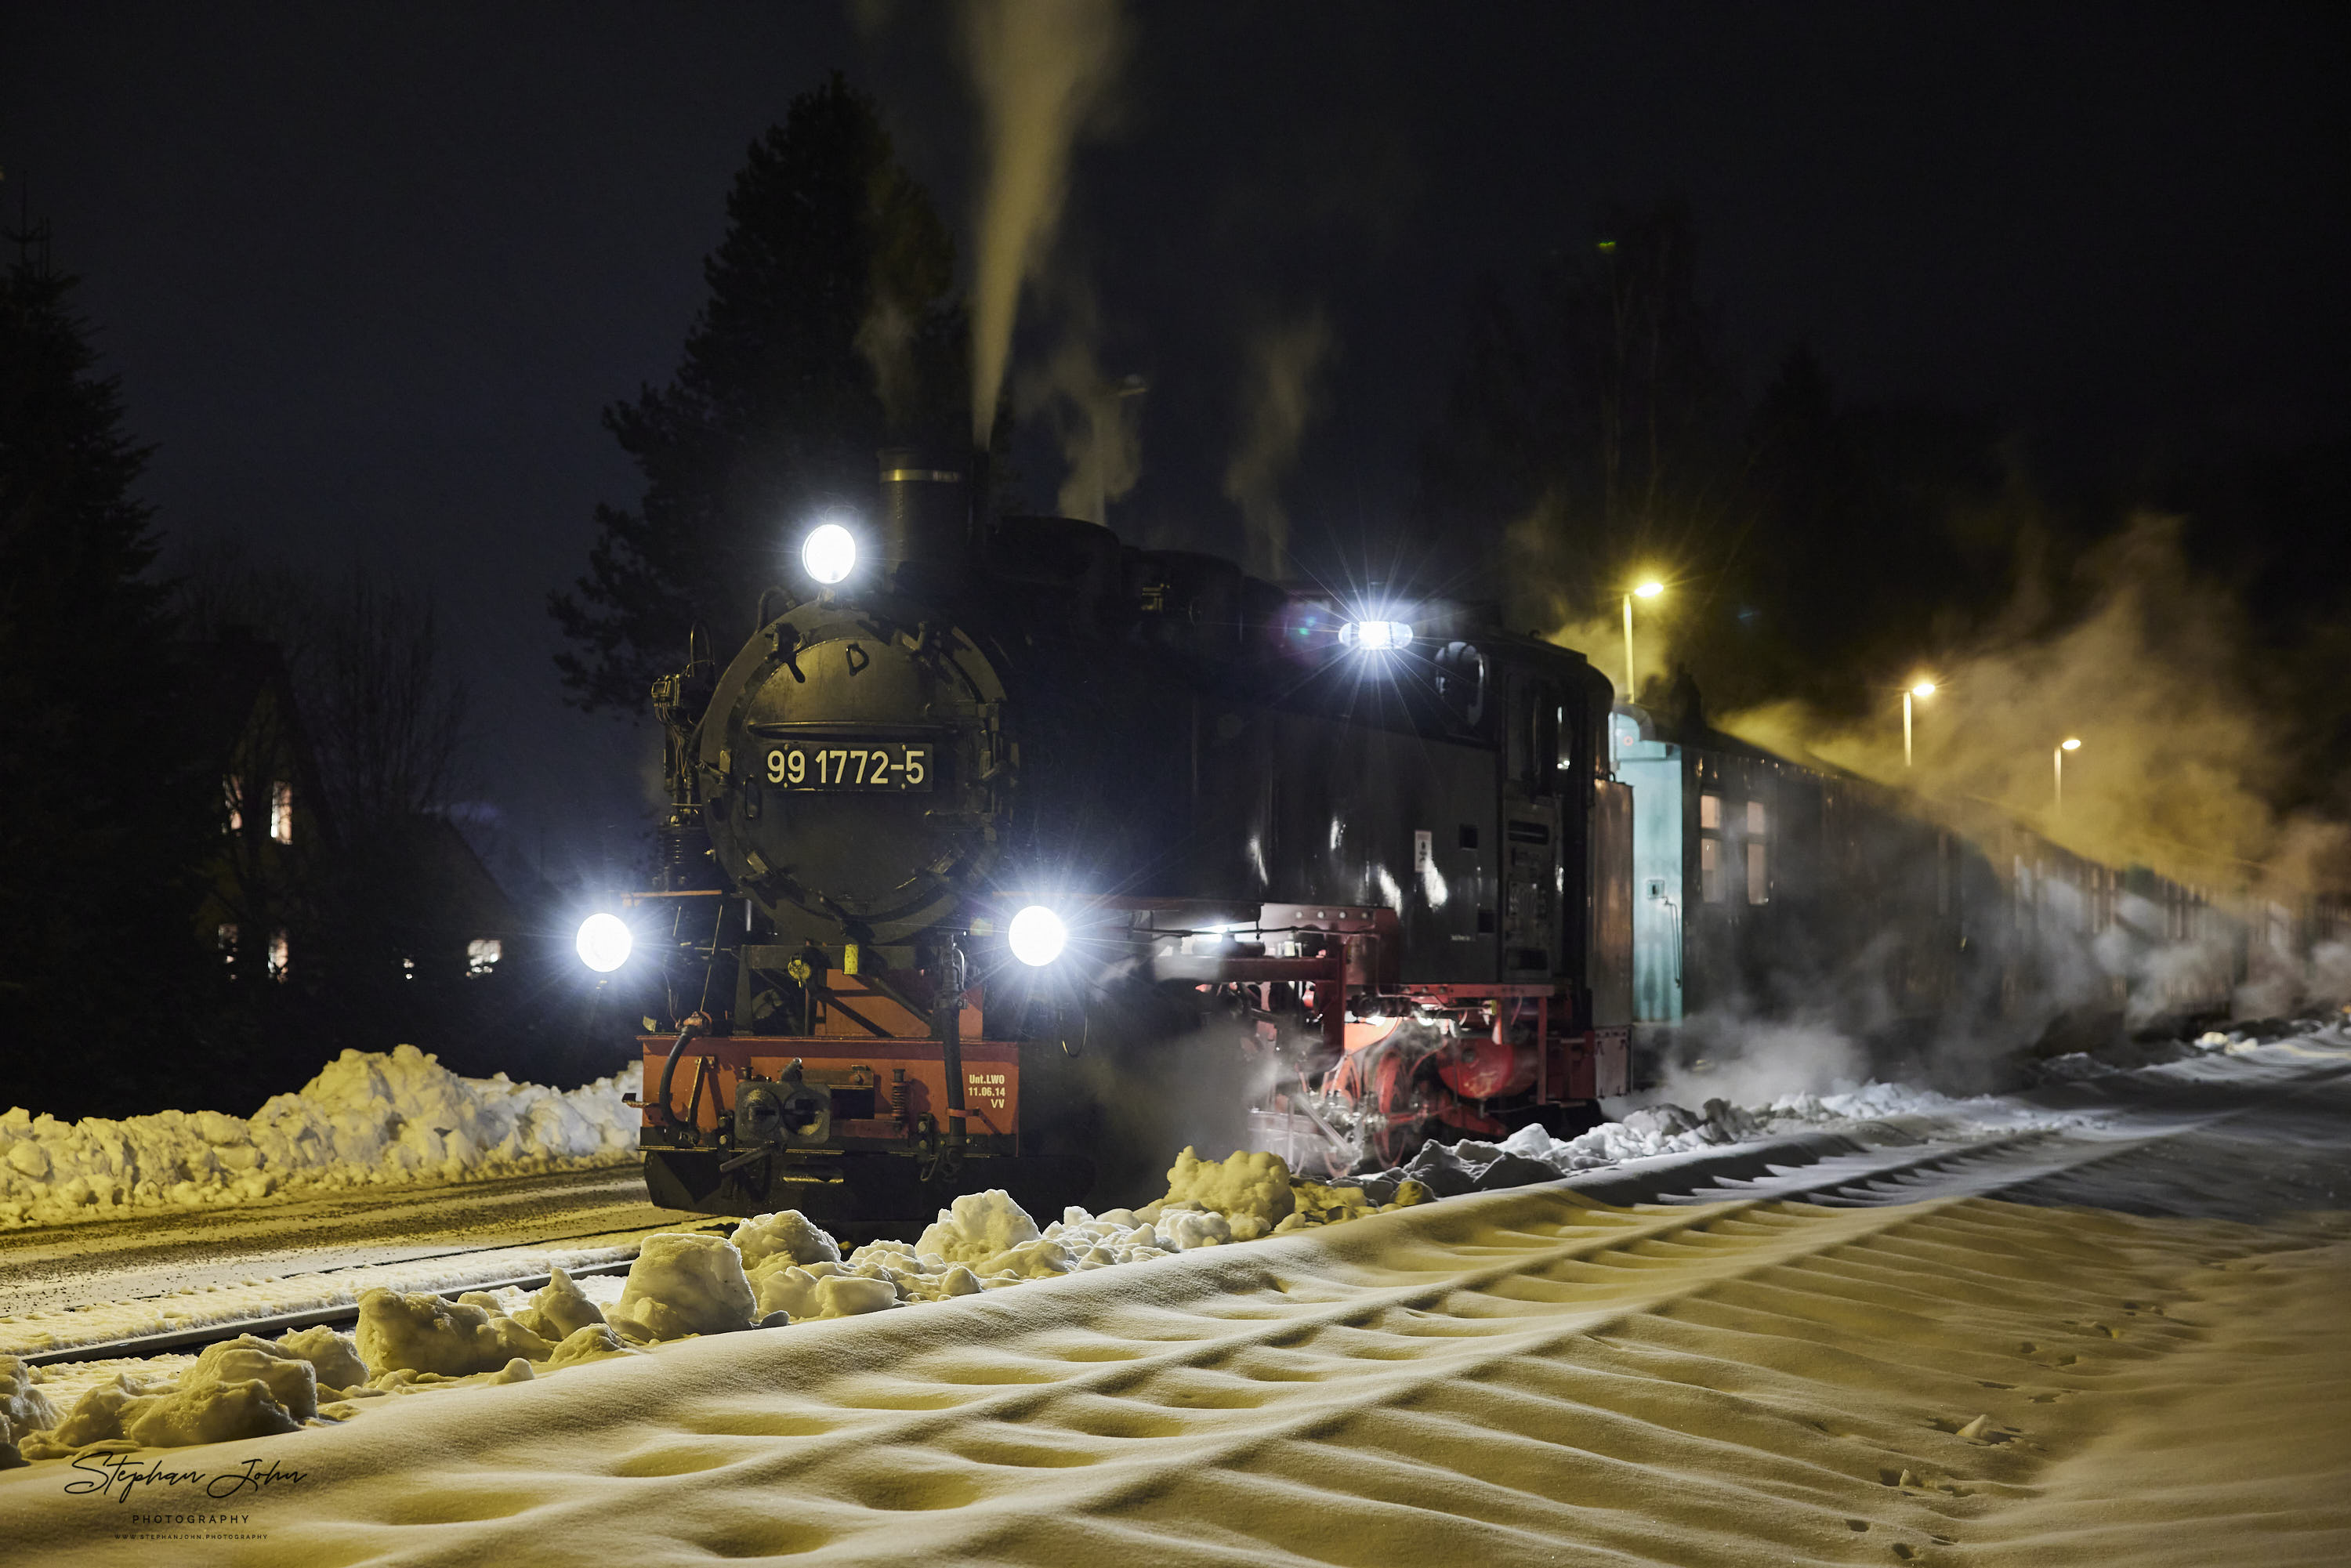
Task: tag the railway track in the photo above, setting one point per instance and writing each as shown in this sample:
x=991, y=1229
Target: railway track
x=1979, y=1168
x=175, y=1282
x=1512, y=1377
x=1872, y=1360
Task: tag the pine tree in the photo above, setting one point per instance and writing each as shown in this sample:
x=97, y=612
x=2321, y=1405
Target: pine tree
x=102, y=816
x=830, y=332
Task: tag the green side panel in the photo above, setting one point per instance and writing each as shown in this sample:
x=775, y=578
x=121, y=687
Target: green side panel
x=1654, y=769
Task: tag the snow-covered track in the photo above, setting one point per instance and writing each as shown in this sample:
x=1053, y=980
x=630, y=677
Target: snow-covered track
x=1508, y=1377
x=192, y=1278
x=150, y=1252
x=339, y=1315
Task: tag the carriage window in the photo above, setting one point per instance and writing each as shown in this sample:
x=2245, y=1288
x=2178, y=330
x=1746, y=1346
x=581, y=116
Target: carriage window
x=1709, y=812
x=1755, y=818
x=281, y=812
x=1759, y=873
x=1710, y=870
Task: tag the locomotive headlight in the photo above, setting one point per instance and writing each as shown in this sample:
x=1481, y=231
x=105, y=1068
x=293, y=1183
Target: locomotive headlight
x=603, y=942
x=1037, y=935
x=829, y=553
x=1375, y=636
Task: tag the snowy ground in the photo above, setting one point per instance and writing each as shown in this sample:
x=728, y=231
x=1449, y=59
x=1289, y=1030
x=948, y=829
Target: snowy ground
x=2106, y=1365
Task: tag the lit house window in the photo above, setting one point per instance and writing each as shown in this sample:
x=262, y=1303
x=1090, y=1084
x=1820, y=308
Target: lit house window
x=1759, y=855
x=1709, y=848
x=281, y=812
x=233, y=797
x=277, y=953
x=482, y=955
x=227, y=936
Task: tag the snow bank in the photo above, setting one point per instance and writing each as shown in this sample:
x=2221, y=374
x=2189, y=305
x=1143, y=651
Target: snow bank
x=686, y=1282
x=1531, y=1155
x=1251, y=1190
x=24, y=1408
x=403, y=1332
x=244, y=1387
x=368, y=1119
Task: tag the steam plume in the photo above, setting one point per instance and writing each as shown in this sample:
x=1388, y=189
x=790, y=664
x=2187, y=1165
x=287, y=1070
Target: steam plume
x=1279, y=400
x=1097, y=419
x=1039, y=68
x=2180, y=760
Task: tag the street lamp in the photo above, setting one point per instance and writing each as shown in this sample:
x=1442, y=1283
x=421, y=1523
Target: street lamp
x=1923, y=689
x=1649, y=589
x=2058, y=758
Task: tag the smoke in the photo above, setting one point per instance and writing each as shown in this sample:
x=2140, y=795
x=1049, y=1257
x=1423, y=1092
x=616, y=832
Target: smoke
x=1161, y=1094
x=1538, y=573
x=885, y=339
x=1752, y=1061
x=1040, y=68
x=1096, y=419
x=2179, y=757
x=1279, y=400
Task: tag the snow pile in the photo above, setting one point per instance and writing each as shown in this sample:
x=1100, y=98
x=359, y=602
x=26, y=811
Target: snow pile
x=25, y=1409
x=368, y=1119
x=420, y=1332
x=1251, y=1190
x=244, y=1387
x=686, y=1282
x=1530, y=1155
x=979, y=1226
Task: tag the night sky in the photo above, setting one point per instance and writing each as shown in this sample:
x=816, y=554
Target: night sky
x=369, y=280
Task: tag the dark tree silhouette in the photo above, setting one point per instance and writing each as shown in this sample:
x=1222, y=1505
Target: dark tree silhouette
x=830, y=332
x=103, y=814
x=1822, y=551
x=1597, y=418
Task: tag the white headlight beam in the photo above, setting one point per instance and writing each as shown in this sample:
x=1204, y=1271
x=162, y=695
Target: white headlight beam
x=829, y=554
x=1037, y=935
x=604, y=941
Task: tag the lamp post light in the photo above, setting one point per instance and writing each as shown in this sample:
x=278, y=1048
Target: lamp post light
x=1649, y=589
x=2058, y=758
x=1923, y=689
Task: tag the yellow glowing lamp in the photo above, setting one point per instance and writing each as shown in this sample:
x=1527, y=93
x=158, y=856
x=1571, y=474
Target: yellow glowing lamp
x=2069, y=744
x=1923, y=689
x=1649, y=589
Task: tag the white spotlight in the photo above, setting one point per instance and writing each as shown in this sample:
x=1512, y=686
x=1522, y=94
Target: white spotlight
x=829, y=553
x=1375, y=636
x=604, y=941
x=1038, y=935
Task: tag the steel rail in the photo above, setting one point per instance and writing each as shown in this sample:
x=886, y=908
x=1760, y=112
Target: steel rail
x=270, y=1326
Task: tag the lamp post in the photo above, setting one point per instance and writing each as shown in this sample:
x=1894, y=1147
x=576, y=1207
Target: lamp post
x=2058, y=758
x=1923, y=689
x=1649, y=589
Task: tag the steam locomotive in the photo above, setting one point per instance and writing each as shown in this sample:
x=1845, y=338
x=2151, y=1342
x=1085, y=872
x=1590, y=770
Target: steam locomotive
x=984, y=798
x=994, y=817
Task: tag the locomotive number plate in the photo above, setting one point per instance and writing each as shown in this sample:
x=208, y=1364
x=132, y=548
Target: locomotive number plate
x=892, y=765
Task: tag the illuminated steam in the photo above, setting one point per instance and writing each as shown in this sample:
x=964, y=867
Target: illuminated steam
x=2179, y=758
x=1096, y=418
x=1039, y=68
x=1277, y=402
